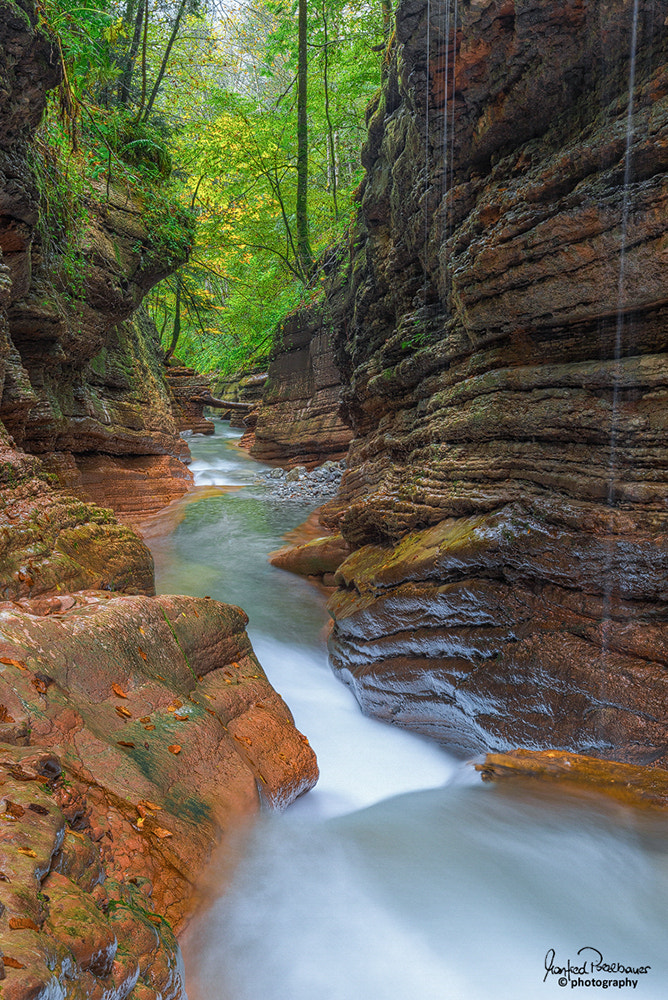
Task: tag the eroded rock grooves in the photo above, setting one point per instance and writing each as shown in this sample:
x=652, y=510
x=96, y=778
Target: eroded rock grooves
x=135, y=731
x=298, y=422
x=501, y=327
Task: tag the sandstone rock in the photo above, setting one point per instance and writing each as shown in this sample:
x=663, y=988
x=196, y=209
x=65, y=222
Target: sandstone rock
x=315, y=558
x=50, y=542
x=78, y=373
x=166, y=727
x=298, y=421
x=134, y=486
x=634, y=786
x=185, y=386
x=247, y=388
x=500, y=327
x=55, y=937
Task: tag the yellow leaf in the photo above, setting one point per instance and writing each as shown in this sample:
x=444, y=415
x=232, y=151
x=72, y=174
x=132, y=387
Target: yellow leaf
x=160, y=831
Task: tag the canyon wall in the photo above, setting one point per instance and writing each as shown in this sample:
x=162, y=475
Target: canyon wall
x=298, y=422
x=502, y=332
x=80, y=365
x=135, y=732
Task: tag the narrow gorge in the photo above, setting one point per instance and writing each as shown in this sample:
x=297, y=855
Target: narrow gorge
x=135, y=730
x=485, y=356
x=499, y=325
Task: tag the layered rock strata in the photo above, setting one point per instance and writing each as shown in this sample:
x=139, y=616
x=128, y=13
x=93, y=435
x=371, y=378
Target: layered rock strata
x=187, y=388
x=298, y=421
x=246, y=388
x=167, y=734
x=80, y=367
x=135, y=732
x=502, y=335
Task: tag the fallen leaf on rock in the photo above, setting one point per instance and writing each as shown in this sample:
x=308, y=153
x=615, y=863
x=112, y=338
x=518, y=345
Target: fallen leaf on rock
x=123, y=712
x=160, y=832
x=140, y=822
x=118, y=690
x=13, y=663
x=12, y=963
x=39, y=685
x=174, y=748
x=177, y=703
x=150, y=805
x=142, y=630
x=14, y=809
x=22, y=924
x=4, y=714
x=142, y=653
x=149, y=728
x=147, y=718
x=40, y=810
x=26, y=850
x=182, y=718
x=125, y=743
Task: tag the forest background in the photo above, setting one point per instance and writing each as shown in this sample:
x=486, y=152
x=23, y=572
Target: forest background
x=238, y=125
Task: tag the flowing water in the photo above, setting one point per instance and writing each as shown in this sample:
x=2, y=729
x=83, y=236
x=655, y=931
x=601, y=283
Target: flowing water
x=401, y=877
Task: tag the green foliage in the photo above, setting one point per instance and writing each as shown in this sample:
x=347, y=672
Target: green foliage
x=191, y=102
x=240, y=164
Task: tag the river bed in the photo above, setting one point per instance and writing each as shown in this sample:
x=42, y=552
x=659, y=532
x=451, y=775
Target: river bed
x=401, y=876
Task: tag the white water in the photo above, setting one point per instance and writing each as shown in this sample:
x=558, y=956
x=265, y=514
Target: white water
x=400, y=877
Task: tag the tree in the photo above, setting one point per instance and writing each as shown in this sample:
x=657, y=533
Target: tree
x=304, y=253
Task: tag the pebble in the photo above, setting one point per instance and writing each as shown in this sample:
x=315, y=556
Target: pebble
x=316, y=486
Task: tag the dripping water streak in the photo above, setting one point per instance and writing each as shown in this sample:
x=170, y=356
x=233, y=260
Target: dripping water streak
x=426, y=151
x=446, y=121
x=619, y=328
x=452, y=102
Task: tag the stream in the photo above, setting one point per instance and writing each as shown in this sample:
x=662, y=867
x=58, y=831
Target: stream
x=401, y=876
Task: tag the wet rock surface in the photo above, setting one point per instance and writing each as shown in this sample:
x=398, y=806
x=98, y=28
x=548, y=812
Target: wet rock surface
x=298, y=422
x=64, y=929
x=166, y=728
x=500, y=326
x=298, y=483
x=633, y=786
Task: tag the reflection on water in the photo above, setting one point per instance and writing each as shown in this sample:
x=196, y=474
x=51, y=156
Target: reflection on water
x=399, y=877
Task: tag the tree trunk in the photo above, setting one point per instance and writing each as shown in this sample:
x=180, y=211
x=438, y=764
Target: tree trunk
x=330, y=131
x=303, y=245
x=165, y=59
x=125, y=79
x=176, y=329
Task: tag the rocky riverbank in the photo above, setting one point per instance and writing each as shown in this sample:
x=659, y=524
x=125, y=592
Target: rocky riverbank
x=498, y=325
x=135, y=732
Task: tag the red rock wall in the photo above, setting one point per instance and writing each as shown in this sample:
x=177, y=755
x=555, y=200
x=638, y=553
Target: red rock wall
x=298, y=422
x=79, y=373
x=504, y=343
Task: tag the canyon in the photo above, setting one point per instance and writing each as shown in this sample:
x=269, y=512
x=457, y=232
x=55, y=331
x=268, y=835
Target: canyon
x=498, y=320
x=136, y=732
x=489, y=354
